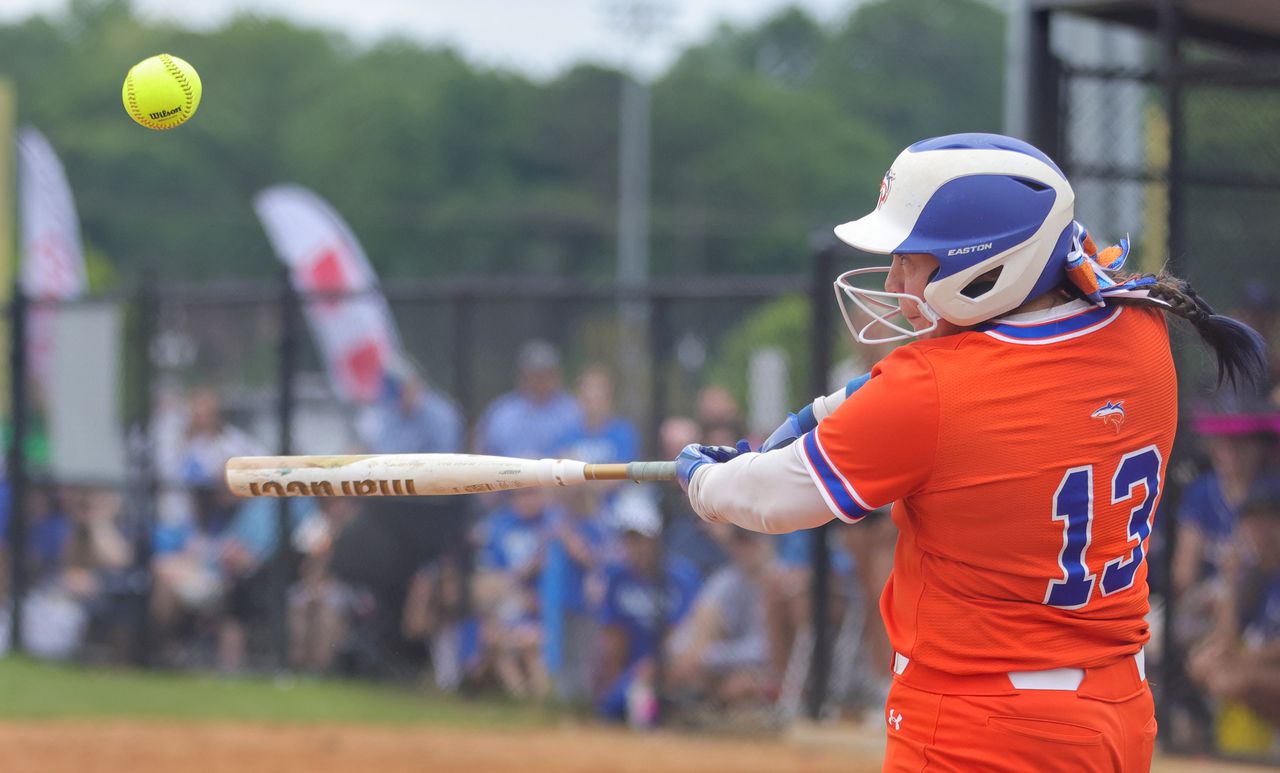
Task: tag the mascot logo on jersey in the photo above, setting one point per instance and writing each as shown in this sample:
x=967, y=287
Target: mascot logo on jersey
x=1111, y=414
x=885, y=185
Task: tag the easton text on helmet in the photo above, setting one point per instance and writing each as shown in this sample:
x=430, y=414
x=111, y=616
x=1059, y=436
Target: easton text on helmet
x=971, y=248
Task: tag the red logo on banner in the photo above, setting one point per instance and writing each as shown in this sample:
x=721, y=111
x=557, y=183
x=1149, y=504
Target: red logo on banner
x=363, y=366
x=326, y=274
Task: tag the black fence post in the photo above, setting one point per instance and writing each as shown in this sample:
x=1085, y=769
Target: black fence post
x=1045, y=116
x=18, y=462
x=1170, y=38
x=282, y=573
x=820, y=302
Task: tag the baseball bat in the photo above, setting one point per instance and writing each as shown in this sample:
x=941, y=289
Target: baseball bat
x=375, y=475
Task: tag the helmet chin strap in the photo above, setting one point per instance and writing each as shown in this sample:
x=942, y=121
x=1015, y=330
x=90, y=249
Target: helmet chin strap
x=882, y=306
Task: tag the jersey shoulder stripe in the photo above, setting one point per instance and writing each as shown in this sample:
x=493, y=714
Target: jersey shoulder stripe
x=836, y=490
x=1053, y=331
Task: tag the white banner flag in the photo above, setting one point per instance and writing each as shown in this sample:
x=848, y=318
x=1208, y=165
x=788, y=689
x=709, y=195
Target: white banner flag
x=52, y=255
x=356, y=336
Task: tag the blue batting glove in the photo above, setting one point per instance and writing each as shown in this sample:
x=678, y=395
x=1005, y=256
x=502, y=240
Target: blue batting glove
x=695, y=455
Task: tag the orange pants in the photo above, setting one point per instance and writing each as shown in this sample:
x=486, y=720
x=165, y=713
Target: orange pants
x=943, y=722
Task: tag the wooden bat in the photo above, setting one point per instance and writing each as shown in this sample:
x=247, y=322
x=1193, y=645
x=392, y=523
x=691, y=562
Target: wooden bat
x=398, y=475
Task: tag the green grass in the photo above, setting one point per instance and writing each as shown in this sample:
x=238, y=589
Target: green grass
x=34, y=690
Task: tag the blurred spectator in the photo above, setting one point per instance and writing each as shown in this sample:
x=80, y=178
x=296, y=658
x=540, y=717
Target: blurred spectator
x=577, y=543
x=788, y=597
x=602, y=436
x=531, y=421
x=96, y=563
x=715, y=406
x=436, y=614
x=643, y=599
x=73, y=545
x=1238, y=665
x=505, y=591
x=187, y=578
x=194, y=564
x=721, y=650
x=247, y=548
x=1240, y=448
x=209, y=442
x=321, y=608
x=684, y=534
x=48, y=529
x=411, y=417
x=578, y=538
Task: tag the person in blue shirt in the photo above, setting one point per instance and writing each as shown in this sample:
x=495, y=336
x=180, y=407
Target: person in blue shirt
x=602, y=436
x=411, y=417
x=531, y=421
x=508, y=566
x=643, y=600
x=1239, y=664
x=578, y=542
x=1239, y=447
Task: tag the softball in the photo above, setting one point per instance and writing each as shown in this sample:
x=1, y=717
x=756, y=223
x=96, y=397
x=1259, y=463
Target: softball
x=161, y=92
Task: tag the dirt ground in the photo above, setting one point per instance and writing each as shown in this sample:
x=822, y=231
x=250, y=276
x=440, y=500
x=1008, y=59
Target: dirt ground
x=153, y=747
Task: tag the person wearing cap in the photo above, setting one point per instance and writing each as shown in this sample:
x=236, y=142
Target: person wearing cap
x=643, y=599
x=530, y=421
x=1240, y=446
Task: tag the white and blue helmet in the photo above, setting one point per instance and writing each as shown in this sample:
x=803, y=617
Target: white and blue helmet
x=977, y=203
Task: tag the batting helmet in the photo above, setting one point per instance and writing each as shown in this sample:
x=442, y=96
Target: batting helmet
x=979, y=203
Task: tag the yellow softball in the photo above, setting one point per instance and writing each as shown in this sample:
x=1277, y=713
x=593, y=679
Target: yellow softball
x=161, y=92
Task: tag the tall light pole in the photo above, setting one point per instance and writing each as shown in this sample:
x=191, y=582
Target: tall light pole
x=638, y=22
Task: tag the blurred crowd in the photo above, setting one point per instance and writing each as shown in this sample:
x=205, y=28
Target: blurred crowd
x=1223, y=632
x=615, y=598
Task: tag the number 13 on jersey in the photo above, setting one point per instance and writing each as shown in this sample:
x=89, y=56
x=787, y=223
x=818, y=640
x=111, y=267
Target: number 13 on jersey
x=1073, y=505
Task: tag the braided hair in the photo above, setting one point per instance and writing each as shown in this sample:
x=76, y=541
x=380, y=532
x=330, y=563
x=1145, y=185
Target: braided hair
x=1240, y=350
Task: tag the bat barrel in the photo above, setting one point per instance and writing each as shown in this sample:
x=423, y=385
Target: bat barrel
x=419, y=474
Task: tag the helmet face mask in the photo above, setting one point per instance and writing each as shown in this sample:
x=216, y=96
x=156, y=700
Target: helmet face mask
x=977, y=203
x=882, y=306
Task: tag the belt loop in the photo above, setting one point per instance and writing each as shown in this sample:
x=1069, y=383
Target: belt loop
x=1140, y=659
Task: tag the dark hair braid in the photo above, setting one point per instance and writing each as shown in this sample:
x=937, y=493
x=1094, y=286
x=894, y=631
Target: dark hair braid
x=1241, y=351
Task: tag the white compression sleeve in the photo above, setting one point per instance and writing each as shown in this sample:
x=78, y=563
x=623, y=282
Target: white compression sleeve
x=770, y=492
x=826, y=405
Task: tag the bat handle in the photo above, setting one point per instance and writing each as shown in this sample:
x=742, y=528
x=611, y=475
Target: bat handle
x=634, y=471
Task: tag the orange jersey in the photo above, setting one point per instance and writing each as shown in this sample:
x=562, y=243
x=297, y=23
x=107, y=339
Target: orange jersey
x=1025, y=460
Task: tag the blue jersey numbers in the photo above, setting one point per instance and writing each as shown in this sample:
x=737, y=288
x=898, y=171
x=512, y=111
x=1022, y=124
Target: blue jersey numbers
x=1137, y=481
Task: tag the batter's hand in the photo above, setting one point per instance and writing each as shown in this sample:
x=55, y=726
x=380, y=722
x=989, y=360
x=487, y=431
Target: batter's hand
x=695, y=455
